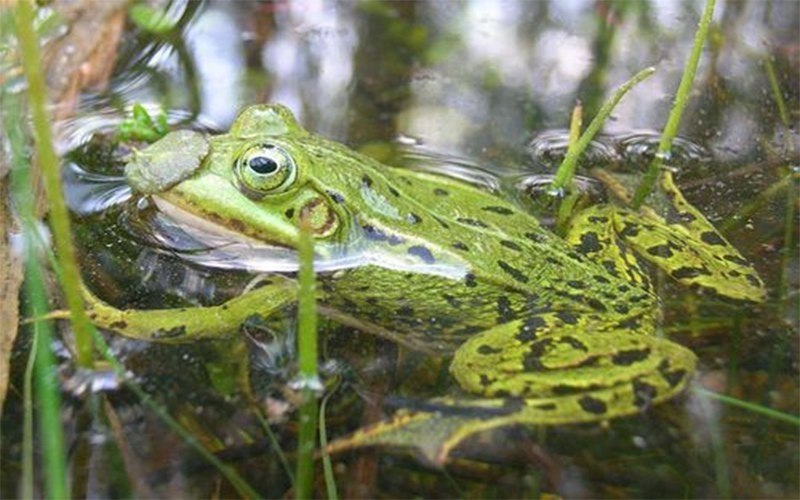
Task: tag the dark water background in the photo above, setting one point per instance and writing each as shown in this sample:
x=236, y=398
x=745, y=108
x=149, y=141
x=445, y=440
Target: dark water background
x=466, y=88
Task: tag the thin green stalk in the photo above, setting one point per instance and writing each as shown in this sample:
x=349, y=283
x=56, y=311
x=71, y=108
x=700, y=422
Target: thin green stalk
x=41, y=367
x=674, y=119
x=307, y=362
x=788, y=250
x=327, y=467
x=307, y=310
x=568, y=203
x=567, y=168
x=783, y=111
x=761, y=410
x=742, y=215
x=48, y=161
x=276, y=447
x=47, y=387
x=27, y=419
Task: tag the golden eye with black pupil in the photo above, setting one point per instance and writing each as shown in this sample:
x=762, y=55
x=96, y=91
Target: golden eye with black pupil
x=265, y=169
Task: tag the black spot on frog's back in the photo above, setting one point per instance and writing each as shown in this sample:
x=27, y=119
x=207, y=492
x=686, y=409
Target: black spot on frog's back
x=590, y=243
x=505, y=312
x=498, y=210
x=527, y=330
x=630, y=356
x=663, y=251
x=512, y=271
x=593, y=405
x=712, y=238
x=413, y=218
x=472, y=222
x=689, y=272
x=488, y=350
x=510, y=244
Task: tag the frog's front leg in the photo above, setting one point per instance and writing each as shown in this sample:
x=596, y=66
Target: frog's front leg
x=189, y=324
x=570, y=367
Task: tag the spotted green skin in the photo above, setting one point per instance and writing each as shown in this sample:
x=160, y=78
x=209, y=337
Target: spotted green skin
x=542, y=329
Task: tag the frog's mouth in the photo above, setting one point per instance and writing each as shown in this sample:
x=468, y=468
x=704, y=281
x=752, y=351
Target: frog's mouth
x=179, y=232
x=200, y=240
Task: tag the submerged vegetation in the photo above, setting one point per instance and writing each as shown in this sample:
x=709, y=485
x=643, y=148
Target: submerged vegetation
x=249, y=430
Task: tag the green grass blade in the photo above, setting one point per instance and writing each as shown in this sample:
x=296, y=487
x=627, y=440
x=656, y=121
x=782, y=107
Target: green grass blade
x=327, y=467
x=40, y=370
x=675, y=114
x=309, y=382
x=567, y=168
x=276, y=447
x=758, y=409
x=49, y=164
x=27, y=423
x=783, y=110
x=47, y=388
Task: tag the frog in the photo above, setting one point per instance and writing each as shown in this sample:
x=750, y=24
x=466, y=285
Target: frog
x=542, y=328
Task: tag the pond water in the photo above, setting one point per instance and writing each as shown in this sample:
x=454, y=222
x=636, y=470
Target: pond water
x=482, y=91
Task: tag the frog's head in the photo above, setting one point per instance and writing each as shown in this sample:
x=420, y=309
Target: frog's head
x=260, y=180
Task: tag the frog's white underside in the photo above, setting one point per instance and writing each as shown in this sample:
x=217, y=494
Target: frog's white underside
x=221, y=248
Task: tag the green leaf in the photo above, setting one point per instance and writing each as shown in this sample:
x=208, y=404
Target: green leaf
x=141, y=126
x=150, y=19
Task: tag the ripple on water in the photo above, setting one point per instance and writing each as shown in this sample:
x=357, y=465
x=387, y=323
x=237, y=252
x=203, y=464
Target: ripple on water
x=548, y=148
x=448, y=165
x=638, y=148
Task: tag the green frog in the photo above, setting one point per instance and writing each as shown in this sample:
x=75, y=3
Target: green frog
x=543, y=329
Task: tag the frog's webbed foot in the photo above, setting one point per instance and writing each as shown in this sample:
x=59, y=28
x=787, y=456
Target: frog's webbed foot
x=196, y=323
x=682, y=243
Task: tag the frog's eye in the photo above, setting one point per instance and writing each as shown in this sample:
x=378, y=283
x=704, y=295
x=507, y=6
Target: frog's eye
x=265, y=169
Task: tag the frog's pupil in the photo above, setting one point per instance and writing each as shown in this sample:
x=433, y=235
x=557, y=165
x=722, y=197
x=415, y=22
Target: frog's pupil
x=262, y=165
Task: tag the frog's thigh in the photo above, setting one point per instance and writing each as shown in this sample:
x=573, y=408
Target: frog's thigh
x=195, y=323
x=580, y=370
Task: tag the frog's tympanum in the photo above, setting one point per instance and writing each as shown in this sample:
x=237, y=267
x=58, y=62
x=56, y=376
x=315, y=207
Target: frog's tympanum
x=544, y=329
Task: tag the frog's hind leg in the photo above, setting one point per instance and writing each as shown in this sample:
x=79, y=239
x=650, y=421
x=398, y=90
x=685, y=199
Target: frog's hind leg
x=685, y=245
x=549, y=369
x=568, y=367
